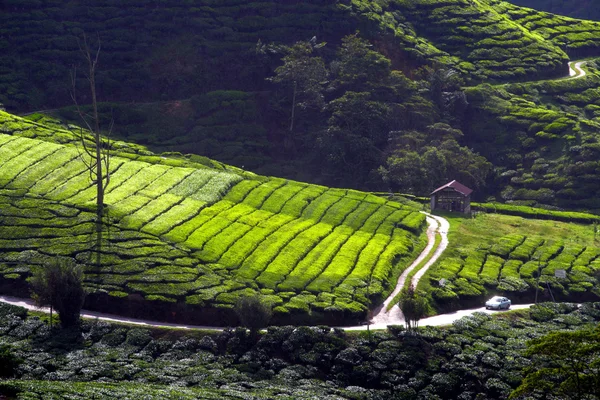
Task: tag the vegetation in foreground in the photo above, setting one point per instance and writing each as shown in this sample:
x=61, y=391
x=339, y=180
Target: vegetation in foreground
x=481, y=356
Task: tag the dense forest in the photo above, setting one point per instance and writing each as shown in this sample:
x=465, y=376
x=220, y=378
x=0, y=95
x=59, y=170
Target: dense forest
x=275, y=88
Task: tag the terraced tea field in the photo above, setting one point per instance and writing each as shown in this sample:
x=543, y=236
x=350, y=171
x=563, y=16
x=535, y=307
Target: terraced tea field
x=184, y=233
x=496, y=253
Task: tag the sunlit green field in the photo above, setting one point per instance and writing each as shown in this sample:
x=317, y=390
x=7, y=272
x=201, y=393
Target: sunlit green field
x=493, y=253
x=191, y=234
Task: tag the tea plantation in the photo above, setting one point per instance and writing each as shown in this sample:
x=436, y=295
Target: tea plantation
x=514, y=258
x=545, y=133
x=184, y=234
x=173, y=50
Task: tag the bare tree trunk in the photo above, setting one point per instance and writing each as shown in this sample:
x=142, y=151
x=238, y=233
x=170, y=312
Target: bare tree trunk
x=98, y=162
x=99, y=175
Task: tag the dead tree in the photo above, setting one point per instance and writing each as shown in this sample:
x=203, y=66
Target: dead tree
x=95, y=155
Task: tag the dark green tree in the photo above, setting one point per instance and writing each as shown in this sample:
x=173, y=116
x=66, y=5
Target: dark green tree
x=358, y=67
x=305, y=74
x=414, y=307
x=566, y=365
x=253, y=312
x=60, y=286
x=420, y=161
x=444, y=90
x=367, y=102
x=356, y=133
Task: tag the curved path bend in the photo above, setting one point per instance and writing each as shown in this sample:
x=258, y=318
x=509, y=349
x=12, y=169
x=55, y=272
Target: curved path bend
x=575, y=70
x=382, y=317
x=438, y=320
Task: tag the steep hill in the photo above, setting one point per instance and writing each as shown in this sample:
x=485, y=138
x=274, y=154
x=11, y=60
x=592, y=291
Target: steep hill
x=193, y=239
x=193, y=79
x=173, y=50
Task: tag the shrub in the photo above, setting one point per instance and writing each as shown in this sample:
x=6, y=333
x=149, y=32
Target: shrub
x=253, y=312
x=8, y=361
x=60, y=285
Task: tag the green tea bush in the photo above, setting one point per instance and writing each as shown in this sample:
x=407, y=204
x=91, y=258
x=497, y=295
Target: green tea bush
x=257, y=197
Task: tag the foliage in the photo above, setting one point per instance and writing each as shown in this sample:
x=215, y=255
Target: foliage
x=185, y=235
x=422, y=161
x=413, y=306
x=8, y=361
x=306, y=74
x=253, y=312
x=60, y=285
x=566, y=364
x=493, y=253
x=477, y=355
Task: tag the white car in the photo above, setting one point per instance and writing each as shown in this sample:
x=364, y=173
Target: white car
x=497, y=303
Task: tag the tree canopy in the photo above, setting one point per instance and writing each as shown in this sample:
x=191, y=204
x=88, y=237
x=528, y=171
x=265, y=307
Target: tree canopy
x=565, y=364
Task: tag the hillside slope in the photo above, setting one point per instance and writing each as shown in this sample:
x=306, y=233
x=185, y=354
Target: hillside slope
x=197, y=75
x=182, y=234
x=543, y=137
x=172, y=50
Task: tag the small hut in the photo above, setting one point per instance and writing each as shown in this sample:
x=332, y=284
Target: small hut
x=453, y=196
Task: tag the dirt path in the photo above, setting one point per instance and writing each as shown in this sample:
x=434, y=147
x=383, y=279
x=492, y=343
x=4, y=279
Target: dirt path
x=28, y=304
x=394, y=316
x=575, y=70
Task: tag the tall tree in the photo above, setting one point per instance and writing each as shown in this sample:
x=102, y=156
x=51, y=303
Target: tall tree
x=419, y=161
x=356, y=133
x=253, y=312
x=444, y=89
x=305, y=74
x=96, y=155
x=566, y=365
x=358, y=67
x=366, y=104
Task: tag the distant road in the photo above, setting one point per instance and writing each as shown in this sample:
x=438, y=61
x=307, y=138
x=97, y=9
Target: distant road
x=443, y=319
x=575, y=70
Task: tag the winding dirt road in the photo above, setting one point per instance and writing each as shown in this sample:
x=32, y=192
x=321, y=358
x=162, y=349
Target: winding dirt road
x=394, y=316
x=575, y=70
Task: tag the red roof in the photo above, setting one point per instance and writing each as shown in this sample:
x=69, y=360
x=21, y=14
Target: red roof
x=459, y=187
